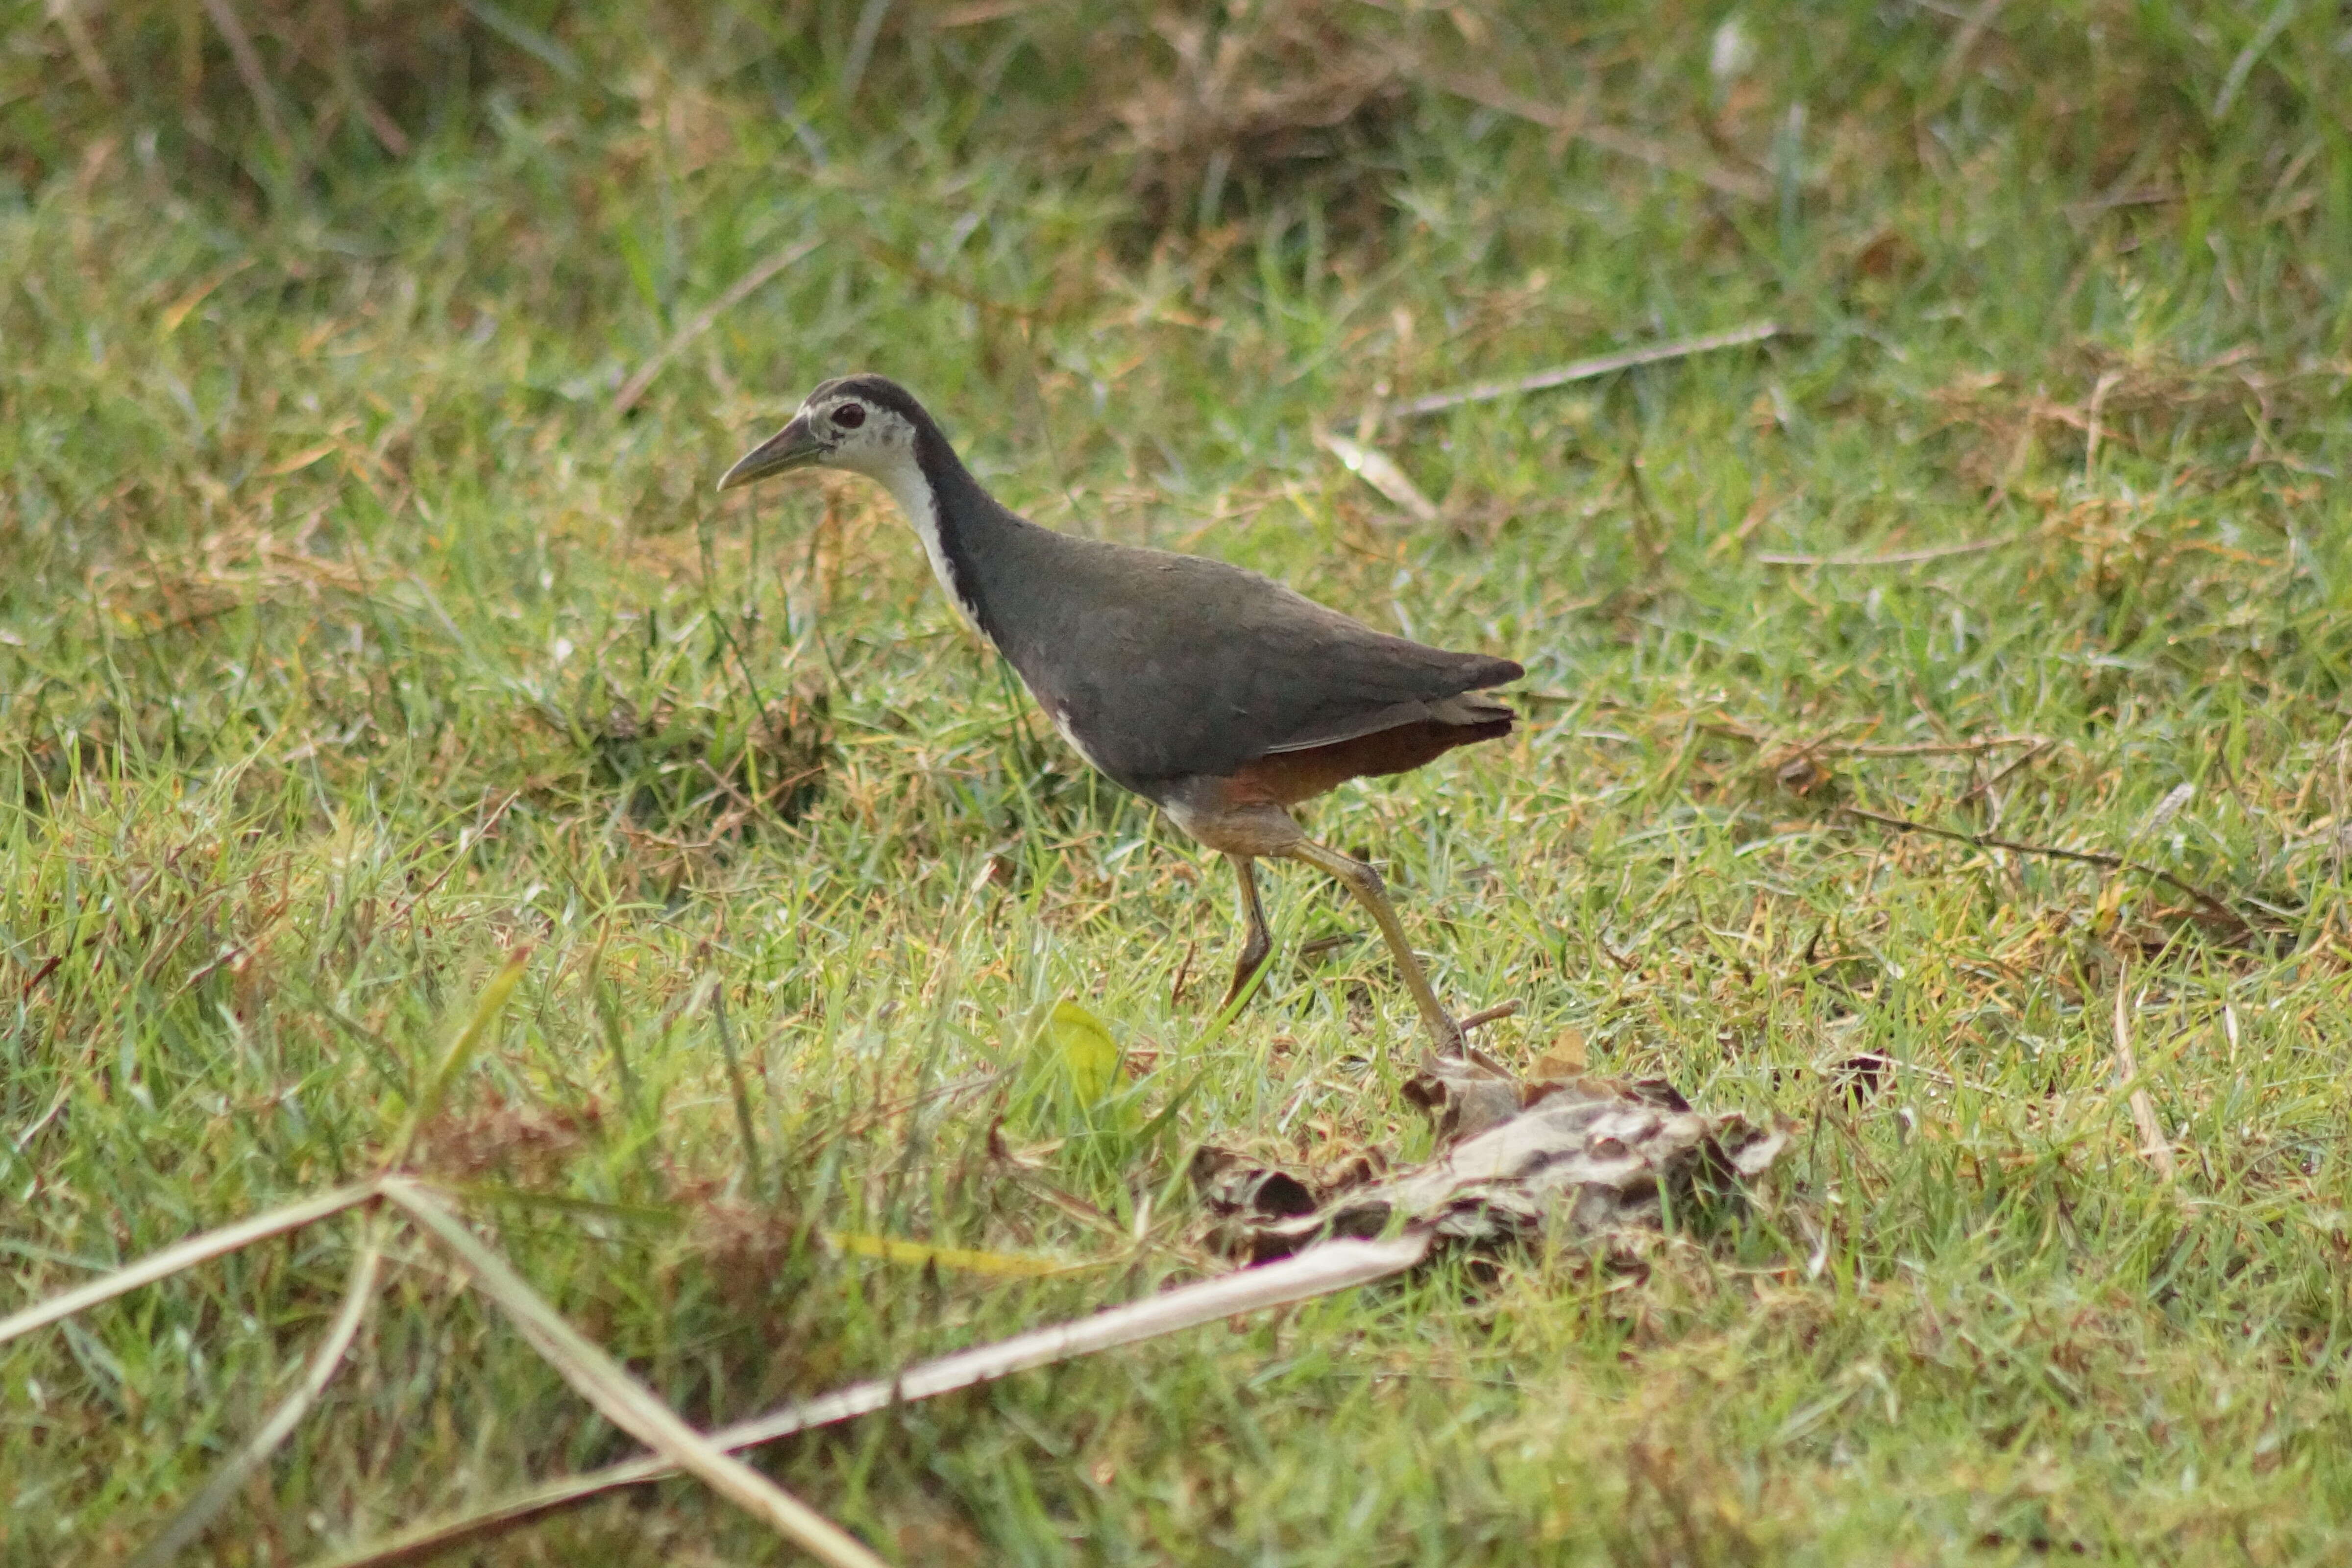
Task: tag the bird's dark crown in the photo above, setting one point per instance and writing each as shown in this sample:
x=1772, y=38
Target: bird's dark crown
x=879, y=391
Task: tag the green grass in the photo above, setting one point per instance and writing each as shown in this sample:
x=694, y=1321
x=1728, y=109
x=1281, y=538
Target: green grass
x=350, y=642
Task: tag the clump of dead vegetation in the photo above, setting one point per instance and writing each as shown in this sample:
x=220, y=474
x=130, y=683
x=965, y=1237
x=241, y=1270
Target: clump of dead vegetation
x=1244, y=94
x=516, y=1140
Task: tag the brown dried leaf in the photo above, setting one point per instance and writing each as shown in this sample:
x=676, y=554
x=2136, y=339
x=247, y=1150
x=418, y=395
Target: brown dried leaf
x=1566, y=1059
x=1465, y=1095
x=1582, y=1156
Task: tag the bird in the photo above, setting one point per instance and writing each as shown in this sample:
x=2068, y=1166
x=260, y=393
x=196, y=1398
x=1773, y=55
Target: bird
x=1221, y=696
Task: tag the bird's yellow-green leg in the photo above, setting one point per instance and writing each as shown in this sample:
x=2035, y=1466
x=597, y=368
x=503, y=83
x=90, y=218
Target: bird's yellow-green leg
x=1364, y=882
x=1256, y=945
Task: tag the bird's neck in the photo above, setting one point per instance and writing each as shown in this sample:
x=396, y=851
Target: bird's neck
x=956, y=520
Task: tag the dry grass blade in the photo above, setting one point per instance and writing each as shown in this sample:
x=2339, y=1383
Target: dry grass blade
x=201, y=1510
x=737, y=292
x=1316, y=1271
x=1376, y=469
x=2223, y=912
x=1897, y=557
x=2152, y=1141
x=625, y=1401
x=1577, y=370
x=186, y=1255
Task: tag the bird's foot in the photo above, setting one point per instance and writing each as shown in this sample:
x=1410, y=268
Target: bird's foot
x=1246, y=970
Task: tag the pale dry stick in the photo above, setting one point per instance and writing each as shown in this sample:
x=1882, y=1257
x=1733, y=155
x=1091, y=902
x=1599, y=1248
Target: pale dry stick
x=2152, y=1141
x=187, y=1255
x=197, y=1514
x=679, y=341
x=625, y=1401
x=1898, y=557
x=1575, y=369
x=1318, y=1271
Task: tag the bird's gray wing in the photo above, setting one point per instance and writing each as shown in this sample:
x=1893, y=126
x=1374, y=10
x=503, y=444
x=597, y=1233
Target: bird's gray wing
x=1160, y=666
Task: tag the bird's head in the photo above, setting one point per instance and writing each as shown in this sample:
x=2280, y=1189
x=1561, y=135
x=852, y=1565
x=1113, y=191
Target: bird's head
x=866, y=424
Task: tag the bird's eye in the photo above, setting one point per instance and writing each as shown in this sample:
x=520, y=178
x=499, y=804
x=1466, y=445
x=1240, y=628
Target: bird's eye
x=848, y=416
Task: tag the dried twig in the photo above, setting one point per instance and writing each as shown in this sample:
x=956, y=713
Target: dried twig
x=1575, y=369
x=2205, y=900
x=1488, y=1015
x=625, y=1401
x=737, y=292
x=200, y=1511
x=1316, y=1271
x=2152, y=1141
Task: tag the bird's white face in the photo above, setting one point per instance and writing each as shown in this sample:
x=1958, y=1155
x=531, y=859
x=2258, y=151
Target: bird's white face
x=861, y=435
x=846, y=424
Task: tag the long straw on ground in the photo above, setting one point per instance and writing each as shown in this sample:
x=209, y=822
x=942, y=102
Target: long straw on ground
x=625, y=1401
x=1318, y=1270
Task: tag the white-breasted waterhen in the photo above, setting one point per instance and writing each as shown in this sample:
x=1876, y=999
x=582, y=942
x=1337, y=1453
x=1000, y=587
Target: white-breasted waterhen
x=1216, y=693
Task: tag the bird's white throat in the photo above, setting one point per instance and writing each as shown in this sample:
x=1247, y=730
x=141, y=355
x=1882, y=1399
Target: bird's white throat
x=900, y=474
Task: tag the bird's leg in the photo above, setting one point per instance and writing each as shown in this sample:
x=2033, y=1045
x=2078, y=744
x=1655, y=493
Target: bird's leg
x=1364, y=882
x=1256, y=945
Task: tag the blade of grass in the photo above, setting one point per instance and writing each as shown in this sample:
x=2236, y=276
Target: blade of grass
x=738, y=1088
x=1318, y=1270
x=622, y=1400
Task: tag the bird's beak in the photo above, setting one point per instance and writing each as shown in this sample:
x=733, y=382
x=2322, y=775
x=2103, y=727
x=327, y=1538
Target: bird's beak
x=794, y=447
